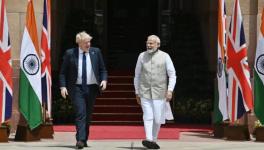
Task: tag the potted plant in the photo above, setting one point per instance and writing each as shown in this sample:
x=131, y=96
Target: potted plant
x=259, y=131
x=4, y=131
x=7, y=126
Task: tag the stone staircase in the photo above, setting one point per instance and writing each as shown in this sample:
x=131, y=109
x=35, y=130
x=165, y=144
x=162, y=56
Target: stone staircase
x=117, y=105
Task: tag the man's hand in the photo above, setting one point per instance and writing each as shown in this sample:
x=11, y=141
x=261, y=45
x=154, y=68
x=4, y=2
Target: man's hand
x=138, y=99
x=64, y=92
x=169, y=96
x=103, y=85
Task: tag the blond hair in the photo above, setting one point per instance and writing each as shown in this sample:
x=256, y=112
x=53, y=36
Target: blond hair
x=81, y=36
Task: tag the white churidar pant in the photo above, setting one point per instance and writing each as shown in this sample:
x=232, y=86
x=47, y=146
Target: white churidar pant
x=154, y=114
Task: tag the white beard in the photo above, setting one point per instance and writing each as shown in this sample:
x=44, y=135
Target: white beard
x=150, y=51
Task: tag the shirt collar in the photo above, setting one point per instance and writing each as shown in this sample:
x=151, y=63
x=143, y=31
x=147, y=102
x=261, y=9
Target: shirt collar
x=81, y=51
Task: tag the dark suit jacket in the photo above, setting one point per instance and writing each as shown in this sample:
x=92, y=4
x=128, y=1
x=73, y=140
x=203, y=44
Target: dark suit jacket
x=69, y=68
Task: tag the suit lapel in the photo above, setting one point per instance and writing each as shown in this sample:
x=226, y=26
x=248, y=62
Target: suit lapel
x=92, y=57
x=76, y=56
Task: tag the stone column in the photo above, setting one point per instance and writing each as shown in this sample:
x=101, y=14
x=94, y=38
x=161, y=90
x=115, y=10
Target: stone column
x=16, y=17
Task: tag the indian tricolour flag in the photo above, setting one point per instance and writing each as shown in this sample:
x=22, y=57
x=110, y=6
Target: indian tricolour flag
x=259, y=75
x=220, y=108
x=30, y=72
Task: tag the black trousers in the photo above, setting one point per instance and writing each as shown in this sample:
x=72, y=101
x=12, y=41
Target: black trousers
x=83, y=102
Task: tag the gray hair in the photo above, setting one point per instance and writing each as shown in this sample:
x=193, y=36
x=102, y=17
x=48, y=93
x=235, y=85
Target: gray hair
x=81, y=36
x=154, y=38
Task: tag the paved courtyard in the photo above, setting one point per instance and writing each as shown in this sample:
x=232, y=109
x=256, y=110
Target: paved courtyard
x=187, y=141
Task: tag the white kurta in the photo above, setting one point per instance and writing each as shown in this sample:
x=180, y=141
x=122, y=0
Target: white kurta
x=171, y=72
x=166, y=110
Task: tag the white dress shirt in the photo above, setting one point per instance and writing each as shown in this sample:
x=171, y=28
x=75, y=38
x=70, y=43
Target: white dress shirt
x=89, y=70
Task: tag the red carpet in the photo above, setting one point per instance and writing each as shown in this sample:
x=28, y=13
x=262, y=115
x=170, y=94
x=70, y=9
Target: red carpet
x=98, y=132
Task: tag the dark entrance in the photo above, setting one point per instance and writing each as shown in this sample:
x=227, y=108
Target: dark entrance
x=188, y=32
x=128, y=25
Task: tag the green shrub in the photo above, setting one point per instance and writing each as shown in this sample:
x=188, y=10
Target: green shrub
x=193, y=111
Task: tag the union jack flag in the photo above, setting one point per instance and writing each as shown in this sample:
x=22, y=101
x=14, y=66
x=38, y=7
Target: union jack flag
x=45, y=54
x=240, y=99
x=6, y=85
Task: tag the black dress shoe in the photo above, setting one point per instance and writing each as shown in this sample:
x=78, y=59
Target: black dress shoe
x=155, y=146
x=147, y=144
x=85, y=144
x=79, y=145
x=150, y=144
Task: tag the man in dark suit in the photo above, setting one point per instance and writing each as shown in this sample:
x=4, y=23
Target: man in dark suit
x=82, y=76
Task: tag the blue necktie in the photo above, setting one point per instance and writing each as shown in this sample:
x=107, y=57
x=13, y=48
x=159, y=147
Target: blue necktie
x=84, y=77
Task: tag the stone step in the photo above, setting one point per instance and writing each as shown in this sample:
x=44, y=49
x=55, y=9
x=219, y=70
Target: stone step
x=116, y=101
x=121, y=79
x=111, y=117
x=117, y=109
x=117, y=122
x=117, y=94
x=120, y=86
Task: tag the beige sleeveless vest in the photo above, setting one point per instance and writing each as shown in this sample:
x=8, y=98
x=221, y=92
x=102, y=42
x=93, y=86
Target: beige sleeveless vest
x=153, y=77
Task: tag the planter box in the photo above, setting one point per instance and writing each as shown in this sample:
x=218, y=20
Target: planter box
x=23, y=133
x=46, y=131
x=219, y=130
x=4, y=134
x=237, y=133
x=259, y=134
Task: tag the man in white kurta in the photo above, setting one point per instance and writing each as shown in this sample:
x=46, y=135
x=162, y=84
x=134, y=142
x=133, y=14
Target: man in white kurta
x=155, y=78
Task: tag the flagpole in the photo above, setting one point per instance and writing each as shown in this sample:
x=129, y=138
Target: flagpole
x=240, y=99
x=6, y=71
x=44, y=113
x=47, y=126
